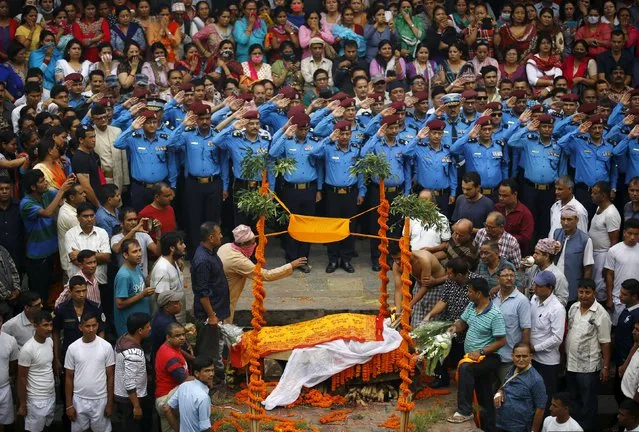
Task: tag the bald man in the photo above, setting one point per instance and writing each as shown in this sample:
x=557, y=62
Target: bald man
x=461, y=244
x=429, y=276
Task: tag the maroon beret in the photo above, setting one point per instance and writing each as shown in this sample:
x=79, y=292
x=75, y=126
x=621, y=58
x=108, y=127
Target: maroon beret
x=289, y=93
x=436, y=125
x=187, y=87
x=596, y=119
x=569, y=97
x=199, y=108
x=147, y=114
x=398, y=105
x=537, y=108
x=634, y=92
x=301, y=119
x=252, y=115
x=246, y=97
x=343, y=125
x=377, y=97
x=484, y=121
x=519, y=94
x=469, y=94
x=587, y=108
x=340, y=96
x=391, y=119
x=105, y=102
x=421, y=96
x=546, y=119
x=297, y=109
x=141, y=92
x=495, y=106
x=75, y=77
x=346, y=103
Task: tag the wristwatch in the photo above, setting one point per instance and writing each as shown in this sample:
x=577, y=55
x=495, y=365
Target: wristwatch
x=482, y=352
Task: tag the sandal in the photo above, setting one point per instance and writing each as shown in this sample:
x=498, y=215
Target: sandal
x=459, y=418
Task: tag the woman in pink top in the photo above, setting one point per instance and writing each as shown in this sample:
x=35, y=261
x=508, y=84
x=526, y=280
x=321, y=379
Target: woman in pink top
x=313, y=29
x=596, y=33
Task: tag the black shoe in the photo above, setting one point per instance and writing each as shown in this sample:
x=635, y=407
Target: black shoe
x=376, y=267
x=355, y=254
x=331, y=267
x=348, y=267
x=304, y=268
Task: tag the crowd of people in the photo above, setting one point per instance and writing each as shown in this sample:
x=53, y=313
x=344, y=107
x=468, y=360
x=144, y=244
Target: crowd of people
x=125, y=130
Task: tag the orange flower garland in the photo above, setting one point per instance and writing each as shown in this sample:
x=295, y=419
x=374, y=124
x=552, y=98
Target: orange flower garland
x=378, y=365
x=431, y=392
x=406, y=362
x=383, y=248
x=335, y=416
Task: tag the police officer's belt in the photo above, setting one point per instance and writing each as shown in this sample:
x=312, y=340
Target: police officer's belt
x=582, y=185
x=246, y=184
x=438, y=192
x=143, y=184
x=539, y=186
x=209, y=179
x=339, y=190
x=487, y=191
x=391, y=188
x=298, y=186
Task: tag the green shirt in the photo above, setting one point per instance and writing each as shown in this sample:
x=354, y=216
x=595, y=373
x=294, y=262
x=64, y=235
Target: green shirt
x=483, y=329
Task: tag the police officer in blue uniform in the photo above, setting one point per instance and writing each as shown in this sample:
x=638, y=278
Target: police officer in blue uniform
x=593, y=159
x=435, y=168
x=236, y=140
x=343, y=192
x=398, y=152
x=206, y=170
x=544, y=162
x=628, y=148
x=148, y=156
x=345, y=111
x=484, y=155
x=176, y=109
x=301, y=187
x=417, y=119
x=273, y=113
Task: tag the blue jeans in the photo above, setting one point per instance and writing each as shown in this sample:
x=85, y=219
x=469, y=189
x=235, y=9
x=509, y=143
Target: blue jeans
x=584, y=388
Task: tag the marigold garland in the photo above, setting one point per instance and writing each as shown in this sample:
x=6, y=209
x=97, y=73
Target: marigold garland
x=335, y=416
x=406, y=361
x=378, y=365
x=429, y=392
x=382, y=220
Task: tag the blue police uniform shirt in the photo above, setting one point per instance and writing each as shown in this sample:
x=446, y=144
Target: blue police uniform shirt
x=237, y=145
x=615, y=135
x=592, y=163
x=414, y=122
x=174, y=113
x=628, y=150
x=434, y=168
x=76, y=100
x=365, y=117
x=398, y=156
x=543, y=163
x=219, y=116
x=491, y=162
x=148, y=157
x=302, y=153
x=203, y=157
x=272, y=116
x=337, y=165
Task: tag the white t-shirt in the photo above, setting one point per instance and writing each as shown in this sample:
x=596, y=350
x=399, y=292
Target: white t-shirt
x=422, y=237
x=89, y=362
x=38, y=357
x=8, y=352
x=608, y=221
x=166, y=277
x=623, y=260
x=551, y=425
x=145, y=240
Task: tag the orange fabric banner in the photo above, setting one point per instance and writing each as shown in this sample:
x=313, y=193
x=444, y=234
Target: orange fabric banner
x=356, y=327
x=315, y=229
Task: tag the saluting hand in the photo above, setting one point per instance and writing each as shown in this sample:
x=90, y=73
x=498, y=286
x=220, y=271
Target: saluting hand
x=240, y=124
x=290, y=131
x=583, y=128
x=629, y=119
x=190, y=120
x=179, y=97
x=634, y=133
x=334, y=136
x=138, y=122
x=474, y=132
x=423, y=132
x=533, y=125
x=382, y=130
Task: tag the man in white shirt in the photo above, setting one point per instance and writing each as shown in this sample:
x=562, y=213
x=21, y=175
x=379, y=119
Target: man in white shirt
x=166, y=274
x=604, y=233
x=8, y=359
x=564, y=188
x=316, y=61
x=67, y=219
x=36, y=385
x=431, y=238
x=21, y=326
x=89, y=365
x=548, y=317
x=588, y=353
x=560, y=412
x=87, y=236
x=622, y=264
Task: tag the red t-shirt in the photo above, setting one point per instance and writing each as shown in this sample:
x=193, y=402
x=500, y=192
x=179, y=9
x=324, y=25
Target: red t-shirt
x=165, y=216
x=167, y=360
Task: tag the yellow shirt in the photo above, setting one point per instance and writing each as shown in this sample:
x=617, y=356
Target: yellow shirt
x=35, y=37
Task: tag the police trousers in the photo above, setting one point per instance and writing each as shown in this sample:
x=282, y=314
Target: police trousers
x=203, y=203
x=341, y=202
x=302, y=202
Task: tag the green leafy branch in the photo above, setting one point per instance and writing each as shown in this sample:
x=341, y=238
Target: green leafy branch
x=255, y=163
x=370, y=166
x=254, y=204
x=412, y=207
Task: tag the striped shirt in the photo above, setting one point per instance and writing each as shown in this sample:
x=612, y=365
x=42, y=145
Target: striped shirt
x=483, y=329
x=508, y=246
x=42, y=237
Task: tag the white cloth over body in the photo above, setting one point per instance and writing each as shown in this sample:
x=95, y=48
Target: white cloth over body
x=308, y=367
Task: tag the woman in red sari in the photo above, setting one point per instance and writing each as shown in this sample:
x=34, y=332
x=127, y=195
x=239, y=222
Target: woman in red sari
x=519, y=33
x=91, y=31
x=578, y=67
